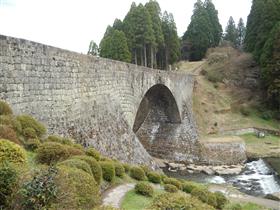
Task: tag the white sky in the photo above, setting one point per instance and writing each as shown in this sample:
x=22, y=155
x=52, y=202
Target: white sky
x=71, y=24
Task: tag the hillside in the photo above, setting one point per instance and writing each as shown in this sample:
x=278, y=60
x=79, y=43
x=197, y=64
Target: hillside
x=227, y=94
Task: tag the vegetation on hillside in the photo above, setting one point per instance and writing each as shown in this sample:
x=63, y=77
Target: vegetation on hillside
x=263, y=40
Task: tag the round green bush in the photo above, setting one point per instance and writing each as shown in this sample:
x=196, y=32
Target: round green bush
x=12, y=122
x=51, y=152
x=211, y=199
x=119, y=169
x=154, y=177
x=93, y=153
x=108, y=170
x=32, y=144
x=170, y=188
x=144, y=188
x=11, y=152
x=59, y=139
x=76, y=189
x=27, y=121
x=137, y=173
x=188, y=186
x=200, y=193
x=126, y=167
x=8, y=181
x=77, y=163
x=74, y=151
x=5, y=109
x=221, y=200
x=174, y=182
x=177, y=201
x=145, y=168
x=94, y=165
x=6, y=132
x=29, y=133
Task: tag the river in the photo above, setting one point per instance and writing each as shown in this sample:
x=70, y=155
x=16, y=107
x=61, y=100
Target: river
x=258, y=178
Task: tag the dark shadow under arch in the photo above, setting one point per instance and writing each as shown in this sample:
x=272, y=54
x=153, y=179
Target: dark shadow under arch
x=160, y=104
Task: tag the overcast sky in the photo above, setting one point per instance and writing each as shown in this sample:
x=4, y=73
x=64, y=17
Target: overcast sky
x=71, y=24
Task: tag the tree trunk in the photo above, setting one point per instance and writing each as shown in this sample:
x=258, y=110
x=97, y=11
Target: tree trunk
x=145, y=55
x=141, y=55
x=166, y=59
x=152, y=57
x=135, y=57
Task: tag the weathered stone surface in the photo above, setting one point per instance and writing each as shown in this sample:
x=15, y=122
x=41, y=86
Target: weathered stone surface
x=96, y=100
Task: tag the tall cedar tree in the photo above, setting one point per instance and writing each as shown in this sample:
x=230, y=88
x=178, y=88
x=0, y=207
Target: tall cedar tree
x=216, y=27
x=231, y=32
x=170, y=53
x=199, y=32
x=262, y=39
x=241, y=31
x=270, y=62
x=155, y=13
x=114, y=46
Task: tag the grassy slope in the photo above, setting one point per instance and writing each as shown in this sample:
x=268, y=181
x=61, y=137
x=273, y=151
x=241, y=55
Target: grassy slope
x=216, y=105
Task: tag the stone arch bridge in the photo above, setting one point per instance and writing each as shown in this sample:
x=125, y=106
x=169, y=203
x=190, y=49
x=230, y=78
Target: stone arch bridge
x=126, y=111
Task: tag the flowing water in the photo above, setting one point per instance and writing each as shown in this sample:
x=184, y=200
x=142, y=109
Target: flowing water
x=257, y=178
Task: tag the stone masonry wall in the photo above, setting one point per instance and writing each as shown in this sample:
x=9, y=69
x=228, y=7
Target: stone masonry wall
x=88, y=98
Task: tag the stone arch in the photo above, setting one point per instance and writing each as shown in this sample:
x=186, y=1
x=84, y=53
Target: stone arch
x=158, y=96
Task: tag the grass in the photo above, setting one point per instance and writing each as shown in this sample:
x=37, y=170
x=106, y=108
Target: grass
x=262, y=147
x=134, y=201
x=247, y=206
x=31, y=159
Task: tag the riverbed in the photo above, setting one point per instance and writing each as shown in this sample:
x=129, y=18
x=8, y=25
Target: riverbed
x=258, y=178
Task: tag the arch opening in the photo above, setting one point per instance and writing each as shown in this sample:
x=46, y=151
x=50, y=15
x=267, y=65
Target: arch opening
x=156, y=120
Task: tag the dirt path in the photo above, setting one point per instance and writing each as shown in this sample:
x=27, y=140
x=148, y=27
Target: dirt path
x=237, y=197
x=115, y=196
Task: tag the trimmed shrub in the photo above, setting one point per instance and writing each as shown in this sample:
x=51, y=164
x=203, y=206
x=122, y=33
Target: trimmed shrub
x=126, y=167
x=108, y=170
x=10, y=121
x=119, y=169
x=177, y=201
x=11, y=152
x=27, y=121
x=51, y=152
x=5, y=109
x=170, y=188
x=174, y=182
x=144, y=188
x=8, y=182
x=59, y=139
x=137, y=173
x=32, y=144
x=76, y=190
x=40, y=191
x=200, y=193
x=145, y=168
x=94, y=166
x=6, y=132
x=189, y=186
x=74, y=151
x=93, y=153
x=29, y=133
x=76, y=163
x=154, y=177
x=211, y=199
x=221, y=200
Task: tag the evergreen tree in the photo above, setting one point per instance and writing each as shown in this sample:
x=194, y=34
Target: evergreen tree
x=93, y=48
x=114, y=46
x=270, y=62
x=155, y=13
x=199, y=32
x=241, y=31
x=118, y=25
x=231, y=34
x=216, y=28
x=170, y=53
